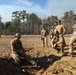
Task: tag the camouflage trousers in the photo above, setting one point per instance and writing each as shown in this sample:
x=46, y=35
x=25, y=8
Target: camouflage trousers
x=45, y=41
x=72, y=40
x=62, y=45
x=59, y=47
x=17, y=59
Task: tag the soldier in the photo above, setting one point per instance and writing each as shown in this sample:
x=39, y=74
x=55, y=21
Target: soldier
x=60, y=28
x=18, y=51
x=72, y=40
x=57, y=42
x=44, y=37
x=56, y=23
x=52, y=30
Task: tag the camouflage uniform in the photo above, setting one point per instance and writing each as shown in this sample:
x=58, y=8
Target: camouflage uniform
x=60, y=28
x=44, y=37
x=16, y=47
x=52, y=32
x=60, y=46
x=72, y=39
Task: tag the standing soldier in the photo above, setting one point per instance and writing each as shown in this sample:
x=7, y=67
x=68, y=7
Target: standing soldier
x=72, y=40
x=44, y=37
x=61, y=29
x=18, y=51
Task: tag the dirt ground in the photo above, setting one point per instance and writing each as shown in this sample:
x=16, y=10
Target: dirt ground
x=49, y=62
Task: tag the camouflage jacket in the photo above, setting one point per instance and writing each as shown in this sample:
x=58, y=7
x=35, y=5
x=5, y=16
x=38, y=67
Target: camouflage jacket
x=44, y=33
x=16, y=45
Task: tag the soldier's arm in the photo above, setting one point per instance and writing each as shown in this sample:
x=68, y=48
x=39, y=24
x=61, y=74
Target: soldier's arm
x=22, y=47
x=52, y=41
x=63, y=30
x=13, y=49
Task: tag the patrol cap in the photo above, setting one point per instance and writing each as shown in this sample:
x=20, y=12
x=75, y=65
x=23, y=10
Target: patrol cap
x=17, y=35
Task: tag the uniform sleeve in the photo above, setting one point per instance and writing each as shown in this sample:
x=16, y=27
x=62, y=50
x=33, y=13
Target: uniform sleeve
x=63, y=29
x=20, y=43
x=22, y=47
x=12, y=46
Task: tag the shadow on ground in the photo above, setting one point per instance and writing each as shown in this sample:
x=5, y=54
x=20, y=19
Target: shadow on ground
x=46, y=61
x=7, y=67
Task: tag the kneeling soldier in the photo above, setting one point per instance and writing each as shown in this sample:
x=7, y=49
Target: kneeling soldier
x=57, y=42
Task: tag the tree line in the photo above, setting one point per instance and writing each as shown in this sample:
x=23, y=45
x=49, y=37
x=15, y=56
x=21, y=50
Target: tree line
x=26, y=23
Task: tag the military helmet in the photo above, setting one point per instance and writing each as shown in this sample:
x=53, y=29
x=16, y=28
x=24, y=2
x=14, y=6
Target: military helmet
x=17, y=35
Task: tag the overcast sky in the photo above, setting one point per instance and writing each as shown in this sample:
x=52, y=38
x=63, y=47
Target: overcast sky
x=42, y=8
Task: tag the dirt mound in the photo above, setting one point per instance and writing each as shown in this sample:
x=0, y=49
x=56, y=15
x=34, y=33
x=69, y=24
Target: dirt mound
x=52, y=63
x=48, y=63
x=62, y=67
x=8, y=68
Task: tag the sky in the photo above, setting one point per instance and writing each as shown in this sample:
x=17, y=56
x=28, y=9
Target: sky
x=42, y=8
